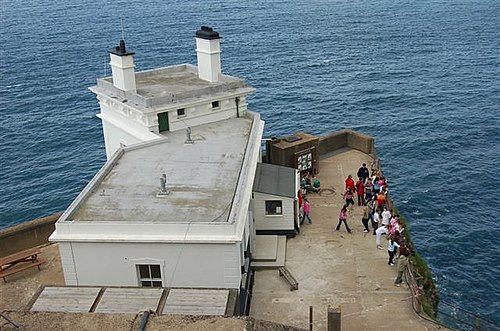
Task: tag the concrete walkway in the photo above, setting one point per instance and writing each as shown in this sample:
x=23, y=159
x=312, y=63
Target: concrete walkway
x=336, y=268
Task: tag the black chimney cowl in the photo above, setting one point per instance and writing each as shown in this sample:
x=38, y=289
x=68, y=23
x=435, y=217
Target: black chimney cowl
x=207, y=33
x=120, y=50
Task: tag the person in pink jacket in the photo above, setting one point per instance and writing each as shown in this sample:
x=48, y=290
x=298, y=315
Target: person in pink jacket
x=307, y=210
x=343, y=218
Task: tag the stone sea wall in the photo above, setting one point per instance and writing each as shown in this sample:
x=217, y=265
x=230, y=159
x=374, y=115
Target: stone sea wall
x=27, y=235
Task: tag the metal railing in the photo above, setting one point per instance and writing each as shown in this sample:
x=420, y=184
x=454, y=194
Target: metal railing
x=8, y=322
x=462, y=319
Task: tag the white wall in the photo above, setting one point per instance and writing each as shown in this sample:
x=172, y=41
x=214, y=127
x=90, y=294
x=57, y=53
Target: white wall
x=272, y=222
x=115, y=137
x=120, y=129
x=123, y=125
x=204, y=113
x=67, y=262
x=183, y=265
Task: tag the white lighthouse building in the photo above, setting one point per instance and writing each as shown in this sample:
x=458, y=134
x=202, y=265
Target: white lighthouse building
x=172, y=206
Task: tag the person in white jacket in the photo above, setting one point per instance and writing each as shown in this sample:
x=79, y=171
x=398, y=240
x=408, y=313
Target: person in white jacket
x=386, y=216
x=375, y=221
x=380, y=231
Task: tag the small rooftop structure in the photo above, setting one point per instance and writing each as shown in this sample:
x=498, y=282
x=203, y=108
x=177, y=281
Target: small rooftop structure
x=297, y=151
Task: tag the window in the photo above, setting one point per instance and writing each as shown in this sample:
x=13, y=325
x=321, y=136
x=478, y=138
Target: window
x=215, y=104
x=274, y=207
x=181, y=113
x=149, y=275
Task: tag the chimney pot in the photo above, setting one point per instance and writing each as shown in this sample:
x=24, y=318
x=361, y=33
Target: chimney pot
x=208, y=33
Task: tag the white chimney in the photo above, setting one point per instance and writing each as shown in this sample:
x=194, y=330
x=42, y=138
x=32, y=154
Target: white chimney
x=123, y=67
x=208, y=51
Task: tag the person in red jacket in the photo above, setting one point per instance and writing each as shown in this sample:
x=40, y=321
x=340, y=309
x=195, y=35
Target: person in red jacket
x=360, y=190
x=349, y=183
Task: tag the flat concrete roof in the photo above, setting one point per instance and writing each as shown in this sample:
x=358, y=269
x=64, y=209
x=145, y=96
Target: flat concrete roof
x=201, y=177
x=177, y=79
x=169, y=85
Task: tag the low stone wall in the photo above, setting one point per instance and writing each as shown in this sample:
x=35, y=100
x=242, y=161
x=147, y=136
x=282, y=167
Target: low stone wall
x=27, y=235
x=346, y=138
x=418, y=275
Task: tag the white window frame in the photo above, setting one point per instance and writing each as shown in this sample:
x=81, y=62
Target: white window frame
x=150, y=279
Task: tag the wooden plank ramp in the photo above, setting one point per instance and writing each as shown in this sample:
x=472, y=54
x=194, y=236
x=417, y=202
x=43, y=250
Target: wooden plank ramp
x=66, y=299
x=196, y=302
x=129, y=300
x=294, y=285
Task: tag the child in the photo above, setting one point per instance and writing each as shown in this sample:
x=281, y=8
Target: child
x=307, y=210
x=391, y=249
x=343, y=218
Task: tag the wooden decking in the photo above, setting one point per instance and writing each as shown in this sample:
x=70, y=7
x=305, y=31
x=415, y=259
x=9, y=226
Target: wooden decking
x=134, y=300
x=129, y=300
x=194, y=302
x=66, y=299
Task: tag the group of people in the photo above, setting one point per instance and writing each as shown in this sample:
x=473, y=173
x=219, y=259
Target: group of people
x=372, y=194
x=309, y=184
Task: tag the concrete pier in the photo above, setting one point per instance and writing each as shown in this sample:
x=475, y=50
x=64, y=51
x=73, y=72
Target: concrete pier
x=335, y=268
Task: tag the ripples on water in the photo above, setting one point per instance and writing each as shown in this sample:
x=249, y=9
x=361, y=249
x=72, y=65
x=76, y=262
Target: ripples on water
x=421, y=77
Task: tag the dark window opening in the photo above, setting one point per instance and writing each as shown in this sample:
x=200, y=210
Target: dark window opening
x=274, y=207
x=181, y=112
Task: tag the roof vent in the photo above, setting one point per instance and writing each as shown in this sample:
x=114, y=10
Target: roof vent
x=189, y=139
x=163, y=187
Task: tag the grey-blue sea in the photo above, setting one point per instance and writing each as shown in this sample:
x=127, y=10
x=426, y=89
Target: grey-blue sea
x=422, y=77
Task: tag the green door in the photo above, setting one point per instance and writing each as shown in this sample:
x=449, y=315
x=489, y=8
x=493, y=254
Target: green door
x=162, y=122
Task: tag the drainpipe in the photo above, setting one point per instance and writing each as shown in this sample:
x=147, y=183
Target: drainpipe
x=237, y=100
x=144, y=320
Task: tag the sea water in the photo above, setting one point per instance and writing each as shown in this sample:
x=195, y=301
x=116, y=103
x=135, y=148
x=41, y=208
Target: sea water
x=422, y=77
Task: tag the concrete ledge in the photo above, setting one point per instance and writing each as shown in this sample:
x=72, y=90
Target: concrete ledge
x=27, y=235
x=346, y=138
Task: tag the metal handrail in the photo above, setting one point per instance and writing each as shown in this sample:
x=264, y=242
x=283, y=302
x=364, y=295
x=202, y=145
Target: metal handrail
x=473, y=320
x=417, y=292
x=9, y=321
